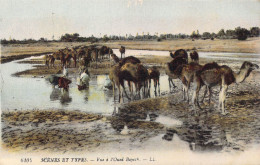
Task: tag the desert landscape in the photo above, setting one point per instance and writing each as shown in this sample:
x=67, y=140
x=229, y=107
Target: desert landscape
x=161, y=117
x=130, y=82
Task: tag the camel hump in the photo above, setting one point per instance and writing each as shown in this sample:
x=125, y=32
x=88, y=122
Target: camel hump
x=180, y=52
x=210, y=66
x=129, y=59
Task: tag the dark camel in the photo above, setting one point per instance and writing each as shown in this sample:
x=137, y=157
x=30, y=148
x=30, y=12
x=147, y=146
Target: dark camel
x=180, y=53
x=154, y=74
x=115, y=58
x=194, y=56
x=135, y=73
x=174, y=68
x=122, y=51
x=116, y=78
x=187, y=76
x=129, y=59
x=49, y=60
x=59, y=55
x=212, y=74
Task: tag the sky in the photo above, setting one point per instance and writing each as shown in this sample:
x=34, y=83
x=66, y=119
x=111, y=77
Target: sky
x=22, y=19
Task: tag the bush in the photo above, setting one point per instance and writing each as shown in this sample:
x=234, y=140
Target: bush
x=242, y=33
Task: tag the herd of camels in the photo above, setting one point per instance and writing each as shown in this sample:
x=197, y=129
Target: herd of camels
x=131, y=70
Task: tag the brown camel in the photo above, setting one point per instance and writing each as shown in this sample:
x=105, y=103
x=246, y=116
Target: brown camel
x=212, y=74
x=180, y=53
x=194, y=56
x=187, y=76
x=59, y=55
x=74, y=55
x=81, y=53
x=115, y=58
x=174, y=68
x=129, y=59
x=122, y=51
x=49, y=59
x=154, y=73
x=103, y=50
x=135, y=73
x=116, y=78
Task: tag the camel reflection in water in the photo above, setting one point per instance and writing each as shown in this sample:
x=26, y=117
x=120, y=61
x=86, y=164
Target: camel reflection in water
x=62, y=95
x=203, y=138
x=127, y=119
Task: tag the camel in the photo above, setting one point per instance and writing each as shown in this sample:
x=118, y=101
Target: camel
x=135, y=73
x=194, y=56
x=59, y=55
x=129, y=59
x=103, y=50
x=74, y=55
x=122, y=51
x=180, y=53
x=212, y=74
x=187, y=76
x=154, y=73
x=174, y=69
x=81, y=53
x=115, y=58
x=49, y=59
x=116, y=79
x=110, y=52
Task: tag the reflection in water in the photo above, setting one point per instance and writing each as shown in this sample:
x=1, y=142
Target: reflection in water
x=65, y=98
x=55, y=94
x=126, y=119
x=86, y=94
x=203, y=138
x=62, y=95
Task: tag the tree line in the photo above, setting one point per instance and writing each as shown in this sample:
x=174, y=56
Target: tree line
x=238, y=33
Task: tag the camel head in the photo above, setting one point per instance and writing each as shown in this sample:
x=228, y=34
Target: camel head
x=249, y=65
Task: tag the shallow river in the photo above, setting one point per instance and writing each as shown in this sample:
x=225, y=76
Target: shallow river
x=37, y=93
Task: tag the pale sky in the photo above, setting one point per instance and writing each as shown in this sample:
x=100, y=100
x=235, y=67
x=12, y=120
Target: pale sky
x=22, y=19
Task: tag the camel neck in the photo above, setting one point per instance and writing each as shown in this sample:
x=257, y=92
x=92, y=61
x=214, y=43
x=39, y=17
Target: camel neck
x=241, y=75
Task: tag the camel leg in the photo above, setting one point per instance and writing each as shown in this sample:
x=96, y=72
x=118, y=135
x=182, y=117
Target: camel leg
x=113, y=84
x=204, y=95
x=184, y=91
x=222, y=97
x=196, y=95
x=130, y=88
x=172, y=83
x=187, y=91
x=169, y=79
x=210, y=92
x=158, y=82
x=185, y=88
x=122, y=84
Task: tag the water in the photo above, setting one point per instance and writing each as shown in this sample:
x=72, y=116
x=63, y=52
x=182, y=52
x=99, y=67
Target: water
x=37, y=93
x=213, y=55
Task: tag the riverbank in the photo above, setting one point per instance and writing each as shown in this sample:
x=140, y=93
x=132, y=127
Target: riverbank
x=251, y=45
